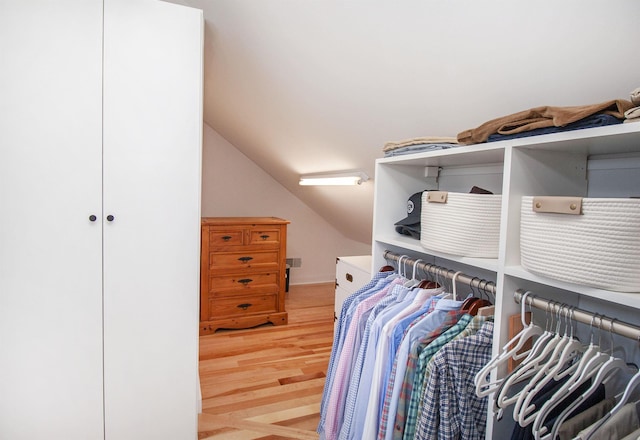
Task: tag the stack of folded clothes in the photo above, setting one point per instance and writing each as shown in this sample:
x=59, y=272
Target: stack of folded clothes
x=417, y=145
x=633, y=114
x=547, y=119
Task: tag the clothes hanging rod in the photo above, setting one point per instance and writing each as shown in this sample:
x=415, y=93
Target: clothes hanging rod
x=602, y=322
x=487, y=286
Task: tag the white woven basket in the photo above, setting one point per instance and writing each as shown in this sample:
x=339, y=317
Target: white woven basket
x=461, y=224
x=598, y=248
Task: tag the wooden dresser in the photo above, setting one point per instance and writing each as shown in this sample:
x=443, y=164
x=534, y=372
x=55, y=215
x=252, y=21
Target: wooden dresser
x=242, y=272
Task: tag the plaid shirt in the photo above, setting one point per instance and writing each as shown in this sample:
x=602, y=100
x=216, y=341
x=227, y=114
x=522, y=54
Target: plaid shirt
x=386, y=430
x=426, y=351
x=424, y=364
x=451, y=409
x=474, y=326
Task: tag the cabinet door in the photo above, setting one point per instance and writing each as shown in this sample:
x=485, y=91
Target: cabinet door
x=152, y=156
x=50, y=252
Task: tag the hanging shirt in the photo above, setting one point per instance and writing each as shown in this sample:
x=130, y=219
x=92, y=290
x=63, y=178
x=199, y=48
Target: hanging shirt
x=392, y=388
x=339, y=387
x=377, y=282
x=430, y=348
x=547, y=392
x=451, y=318
x=420, y=326
x=451, y=409
x=366, y=355
x=426, y=358
x=359, y=395
x=395, y=334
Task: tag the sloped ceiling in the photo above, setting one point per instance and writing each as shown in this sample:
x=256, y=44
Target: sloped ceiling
x=304, y=86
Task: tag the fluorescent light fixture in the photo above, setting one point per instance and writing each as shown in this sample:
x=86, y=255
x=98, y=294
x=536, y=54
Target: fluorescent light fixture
x=341, y=178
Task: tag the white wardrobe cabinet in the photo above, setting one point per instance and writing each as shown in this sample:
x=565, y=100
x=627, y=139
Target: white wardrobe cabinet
x=101, y=116
x=596, y=162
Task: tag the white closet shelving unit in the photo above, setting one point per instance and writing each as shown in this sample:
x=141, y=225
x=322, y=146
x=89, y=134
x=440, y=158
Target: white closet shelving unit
x=595, y=162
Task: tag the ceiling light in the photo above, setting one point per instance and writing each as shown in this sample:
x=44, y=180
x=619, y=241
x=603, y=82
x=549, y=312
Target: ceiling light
x=343, y=178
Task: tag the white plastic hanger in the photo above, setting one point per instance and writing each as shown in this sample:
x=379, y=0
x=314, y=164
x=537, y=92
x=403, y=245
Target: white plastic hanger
x=539, y=364
x=556, y=368
x=584, y=365
x=453, y=287
x=402, y=267
x=410, y=283
x=484, y=387
x=402, y=272
x=530, y=366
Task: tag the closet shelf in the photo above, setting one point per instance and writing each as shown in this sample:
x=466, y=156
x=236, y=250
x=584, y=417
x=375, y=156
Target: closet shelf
x=410, y=244
x=482, y=154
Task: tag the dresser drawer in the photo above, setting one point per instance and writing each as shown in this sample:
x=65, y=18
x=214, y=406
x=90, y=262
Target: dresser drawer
x=241, y=306
x=243, y=282
x=265, y=236
x=244, y=260
x=226, y=237
x=265, y=289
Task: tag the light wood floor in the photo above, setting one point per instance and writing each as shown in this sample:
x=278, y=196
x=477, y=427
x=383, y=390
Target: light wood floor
x=266, y=383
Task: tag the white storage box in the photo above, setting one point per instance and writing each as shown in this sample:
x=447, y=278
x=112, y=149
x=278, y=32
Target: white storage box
x=593, y=242
x=461, y=224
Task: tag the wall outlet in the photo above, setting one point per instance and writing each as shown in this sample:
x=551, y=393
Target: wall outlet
x=294, y=262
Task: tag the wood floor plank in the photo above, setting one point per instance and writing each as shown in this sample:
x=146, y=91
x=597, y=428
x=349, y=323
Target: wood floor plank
x=234, y=402
x=248, y=429
x=266, y=383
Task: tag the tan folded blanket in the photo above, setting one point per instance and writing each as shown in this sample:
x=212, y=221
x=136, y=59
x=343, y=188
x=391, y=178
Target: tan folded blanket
x=541, y=117
x=632, y=113
x=420, y=140
x=635, y=96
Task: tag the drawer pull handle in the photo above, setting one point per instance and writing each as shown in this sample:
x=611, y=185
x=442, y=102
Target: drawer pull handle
x=245, y=281
x=245, y=259
x=226, y=237
x=244, y=306
x=264, y=237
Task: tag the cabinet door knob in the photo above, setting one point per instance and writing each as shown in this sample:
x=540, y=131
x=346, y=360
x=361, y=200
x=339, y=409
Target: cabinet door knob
x=93, y=218
x=245, y=281
x=110, y=218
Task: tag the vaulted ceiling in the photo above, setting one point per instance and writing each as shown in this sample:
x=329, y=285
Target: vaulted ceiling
x=304, y=86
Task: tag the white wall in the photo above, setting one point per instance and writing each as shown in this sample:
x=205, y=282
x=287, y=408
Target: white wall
x=233, y=185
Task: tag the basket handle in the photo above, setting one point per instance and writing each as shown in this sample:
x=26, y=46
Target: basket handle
x=437, y=196
x=557, y=205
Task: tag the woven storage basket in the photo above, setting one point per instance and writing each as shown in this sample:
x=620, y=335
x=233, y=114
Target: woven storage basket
x=599, y=247
x=461, y=224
